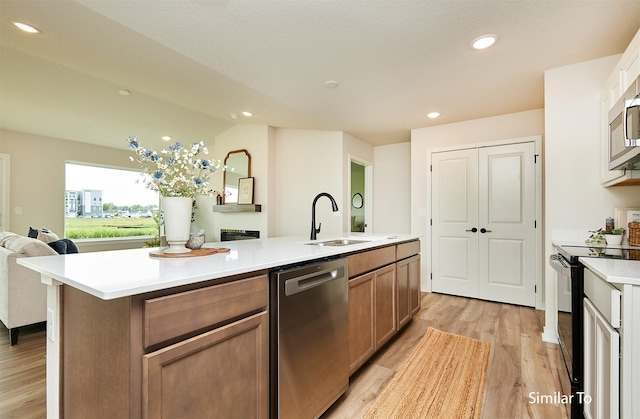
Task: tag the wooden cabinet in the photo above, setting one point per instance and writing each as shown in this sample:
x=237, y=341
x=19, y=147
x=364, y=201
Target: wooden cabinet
x=197, y=351
x=408, y=281
x=408, y=292
x=384, y=295
x=362, y=342
x=385, y=304
x=372, y=314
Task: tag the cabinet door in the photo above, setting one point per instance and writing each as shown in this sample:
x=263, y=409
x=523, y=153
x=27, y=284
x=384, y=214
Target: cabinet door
x=414, y=284
x=601, y=365
x=402, y=292
x=408, y=289
x=361, y=320
x=385, y=304
x=589, y=361
x=220, y=373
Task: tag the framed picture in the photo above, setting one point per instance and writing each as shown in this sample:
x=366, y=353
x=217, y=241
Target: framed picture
x=245, y=190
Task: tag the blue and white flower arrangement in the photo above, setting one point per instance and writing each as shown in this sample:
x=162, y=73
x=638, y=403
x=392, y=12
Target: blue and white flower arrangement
x=178, y=171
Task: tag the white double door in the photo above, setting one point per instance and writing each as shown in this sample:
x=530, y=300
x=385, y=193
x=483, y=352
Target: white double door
x=483, y=221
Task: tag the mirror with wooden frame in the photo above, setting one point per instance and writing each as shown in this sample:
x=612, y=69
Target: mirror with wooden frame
x=238, y=166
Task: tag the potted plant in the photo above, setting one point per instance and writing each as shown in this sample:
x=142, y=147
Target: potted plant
x=600, y=236
x=179, y=174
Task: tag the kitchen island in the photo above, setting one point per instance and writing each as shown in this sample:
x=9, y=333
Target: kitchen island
x=134, y=335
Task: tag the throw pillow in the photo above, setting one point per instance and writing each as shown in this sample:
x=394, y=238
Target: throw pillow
x=47, y=236
x=43, y=234
x=64, y=246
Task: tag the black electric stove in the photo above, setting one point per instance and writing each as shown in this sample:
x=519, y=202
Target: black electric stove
x=572, y=252
x=570, y=280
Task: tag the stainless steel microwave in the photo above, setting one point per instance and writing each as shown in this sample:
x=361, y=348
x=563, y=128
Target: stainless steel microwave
x=624, y=130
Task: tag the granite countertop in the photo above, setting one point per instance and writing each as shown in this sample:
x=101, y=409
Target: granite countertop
x=121, y=273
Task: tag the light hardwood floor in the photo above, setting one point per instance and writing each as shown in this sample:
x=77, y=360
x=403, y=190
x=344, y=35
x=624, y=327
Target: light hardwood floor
x=22, y=374
x=520, y=362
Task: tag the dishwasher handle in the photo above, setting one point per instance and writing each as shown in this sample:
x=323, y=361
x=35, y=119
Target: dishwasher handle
x=305, y=282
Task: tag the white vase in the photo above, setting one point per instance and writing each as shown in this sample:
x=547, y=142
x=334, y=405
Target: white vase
x=177, y=222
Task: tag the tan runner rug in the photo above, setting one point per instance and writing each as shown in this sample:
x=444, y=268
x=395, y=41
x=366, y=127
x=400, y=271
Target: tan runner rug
x=444, y=377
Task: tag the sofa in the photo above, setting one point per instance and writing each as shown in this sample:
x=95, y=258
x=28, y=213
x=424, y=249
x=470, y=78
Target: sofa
x=23, y=298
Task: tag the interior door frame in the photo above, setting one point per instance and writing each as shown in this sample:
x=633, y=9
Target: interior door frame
x=5, y=182
x=368, y=194
x=539, y=216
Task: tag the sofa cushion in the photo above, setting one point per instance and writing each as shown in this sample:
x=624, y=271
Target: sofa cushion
x=25, y=245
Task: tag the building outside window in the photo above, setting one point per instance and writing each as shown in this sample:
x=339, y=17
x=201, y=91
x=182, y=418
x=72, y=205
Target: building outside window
x=108, y=203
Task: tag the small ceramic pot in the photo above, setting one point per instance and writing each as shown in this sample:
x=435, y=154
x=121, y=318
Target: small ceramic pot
x=613, y=238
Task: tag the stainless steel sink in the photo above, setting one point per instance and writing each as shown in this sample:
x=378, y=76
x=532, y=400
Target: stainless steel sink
x=337, y=242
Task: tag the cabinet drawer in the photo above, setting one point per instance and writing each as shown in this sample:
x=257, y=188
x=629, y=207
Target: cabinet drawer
x=404, y=250
x=370, y=260
x=179, y=314
x=604, y=296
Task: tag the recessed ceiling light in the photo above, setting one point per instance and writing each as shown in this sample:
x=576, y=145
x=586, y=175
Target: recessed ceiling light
x=331, y=84
x=247, y=113
x=124, y=92
x=26, y=28
x=166, y=138
x=433, y=115
x=484, y=41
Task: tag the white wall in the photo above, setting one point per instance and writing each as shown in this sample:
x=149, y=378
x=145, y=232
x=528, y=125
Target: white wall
x=308, y=162
x=515, y=125
x=291, y=167
x=574, y=199
x=392, y=189
x=256, y=140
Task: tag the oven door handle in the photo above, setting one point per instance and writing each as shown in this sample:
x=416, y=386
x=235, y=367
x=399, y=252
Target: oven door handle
x=558, y=263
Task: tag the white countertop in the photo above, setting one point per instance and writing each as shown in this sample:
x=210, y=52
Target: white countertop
x=121, y=273
x=614, y=270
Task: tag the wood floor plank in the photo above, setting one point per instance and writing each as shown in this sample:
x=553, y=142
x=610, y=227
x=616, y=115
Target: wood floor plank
x=402, y=345
x=537, y=374
x=364, y=386
x=23, y=374
x=502, y=391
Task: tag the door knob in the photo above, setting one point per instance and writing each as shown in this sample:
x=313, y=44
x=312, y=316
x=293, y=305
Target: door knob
x=484, y=230
x=473, y=230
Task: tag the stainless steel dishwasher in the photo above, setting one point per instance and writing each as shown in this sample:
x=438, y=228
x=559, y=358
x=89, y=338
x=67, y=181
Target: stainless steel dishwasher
x=309, y=331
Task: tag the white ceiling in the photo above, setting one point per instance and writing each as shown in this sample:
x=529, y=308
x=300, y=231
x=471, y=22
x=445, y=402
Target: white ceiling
x=189, y=64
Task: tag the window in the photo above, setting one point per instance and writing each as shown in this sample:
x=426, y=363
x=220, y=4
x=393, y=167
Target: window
x=103, y=202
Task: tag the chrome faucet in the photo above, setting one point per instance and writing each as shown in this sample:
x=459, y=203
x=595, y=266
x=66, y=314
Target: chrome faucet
x=334, y=208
